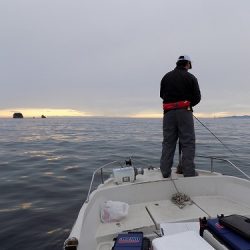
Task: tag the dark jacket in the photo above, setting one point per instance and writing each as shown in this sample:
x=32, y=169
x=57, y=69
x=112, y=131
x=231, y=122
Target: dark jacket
x=180, y=85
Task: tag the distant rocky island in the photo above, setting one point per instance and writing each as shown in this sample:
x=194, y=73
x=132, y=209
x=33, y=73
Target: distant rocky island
x=17, y=115
x=20, y=115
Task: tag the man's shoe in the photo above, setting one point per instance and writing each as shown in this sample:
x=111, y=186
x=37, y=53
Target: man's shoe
x=179, y=171
x=166, y=175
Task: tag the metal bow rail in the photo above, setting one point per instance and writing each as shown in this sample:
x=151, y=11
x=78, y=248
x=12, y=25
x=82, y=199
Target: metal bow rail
x=212, y=159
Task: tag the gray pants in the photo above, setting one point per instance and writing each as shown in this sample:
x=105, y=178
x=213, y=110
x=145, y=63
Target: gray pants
x=178, y=123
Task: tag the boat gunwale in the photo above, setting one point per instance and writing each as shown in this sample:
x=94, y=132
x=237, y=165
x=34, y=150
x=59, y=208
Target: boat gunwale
x=212, y=158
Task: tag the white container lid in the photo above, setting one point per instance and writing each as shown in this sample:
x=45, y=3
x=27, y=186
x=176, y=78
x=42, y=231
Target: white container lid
x=181, y=241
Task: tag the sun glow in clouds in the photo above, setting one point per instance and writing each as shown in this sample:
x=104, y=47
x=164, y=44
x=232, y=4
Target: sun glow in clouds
x=37, y=113
x=199, y=115
x=28, y=112
x=147, y=115
x=218, y=114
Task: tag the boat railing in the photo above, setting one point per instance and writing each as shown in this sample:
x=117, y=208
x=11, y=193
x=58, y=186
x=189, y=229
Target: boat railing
x=100, y=169
x=212, y=159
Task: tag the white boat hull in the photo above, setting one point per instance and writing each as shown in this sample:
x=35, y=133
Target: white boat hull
x=150, y=205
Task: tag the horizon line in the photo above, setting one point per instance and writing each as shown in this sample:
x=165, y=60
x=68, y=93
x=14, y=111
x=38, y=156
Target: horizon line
x=64, y=112
x=113, y=116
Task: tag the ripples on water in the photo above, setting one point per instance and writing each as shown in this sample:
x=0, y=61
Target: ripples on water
x=46, y=166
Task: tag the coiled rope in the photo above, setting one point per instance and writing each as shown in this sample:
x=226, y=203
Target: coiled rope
x=180, y=199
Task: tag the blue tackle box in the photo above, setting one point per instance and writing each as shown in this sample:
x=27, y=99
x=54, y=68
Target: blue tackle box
x=229, y=237
x=129, y=241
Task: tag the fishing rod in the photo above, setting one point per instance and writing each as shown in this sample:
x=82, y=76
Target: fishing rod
x=179, y=167
x=214, y=135
x=224, y=146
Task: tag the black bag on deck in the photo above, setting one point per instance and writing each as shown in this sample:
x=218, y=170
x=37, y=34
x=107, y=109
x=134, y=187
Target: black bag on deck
x=237, y=223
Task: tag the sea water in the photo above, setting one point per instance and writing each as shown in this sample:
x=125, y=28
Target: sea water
x=46, y=166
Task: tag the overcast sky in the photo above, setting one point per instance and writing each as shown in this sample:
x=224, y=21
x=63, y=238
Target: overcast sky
x=108, y=57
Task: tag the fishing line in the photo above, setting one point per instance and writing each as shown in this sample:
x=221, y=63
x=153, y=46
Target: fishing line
x=224, y=146
x=214, y=135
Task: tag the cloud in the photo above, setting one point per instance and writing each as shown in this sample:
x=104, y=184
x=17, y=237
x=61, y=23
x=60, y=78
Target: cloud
x=102, y=56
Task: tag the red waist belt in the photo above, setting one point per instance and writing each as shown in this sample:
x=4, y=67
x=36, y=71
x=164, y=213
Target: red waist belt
x=176, y=105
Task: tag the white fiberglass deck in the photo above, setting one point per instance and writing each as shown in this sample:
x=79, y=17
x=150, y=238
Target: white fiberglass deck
x=150, y=204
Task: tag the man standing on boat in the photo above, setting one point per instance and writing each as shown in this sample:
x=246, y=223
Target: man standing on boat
x=180, y=92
